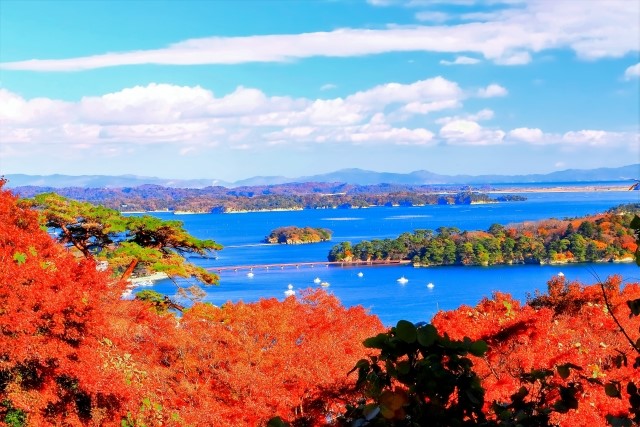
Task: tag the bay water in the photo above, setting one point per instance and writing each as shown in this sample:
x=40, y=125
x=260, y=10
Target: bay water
x=376, y=287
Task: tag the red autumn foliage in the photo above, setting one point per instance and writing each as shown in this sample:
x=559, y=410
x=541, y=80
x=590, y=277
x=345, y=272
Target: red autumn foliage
x=241, y=364
x=74, y=353
x=53, y=317
x=569, y=324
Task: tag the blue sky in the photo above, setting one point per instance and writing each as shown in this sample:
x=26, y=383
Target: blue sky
x=233, y=89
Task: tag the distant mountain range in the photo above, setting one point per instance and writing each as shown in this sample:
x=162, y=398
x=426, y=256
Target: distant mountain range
x=349, y=176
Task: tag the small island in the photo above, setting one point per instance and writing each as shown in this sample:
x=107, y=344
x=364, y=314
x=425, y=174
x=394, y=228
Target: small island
x=293, y=235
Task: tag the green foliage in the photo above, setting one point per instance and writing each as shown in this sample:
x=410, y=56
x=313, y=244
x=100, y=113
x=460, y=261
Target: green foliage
x=161, y=303
x=13, y=417
x=635, y=226
x=144, y=243
x=537, y=243
x=418, y=378
x=19, y=258
x=276, y=422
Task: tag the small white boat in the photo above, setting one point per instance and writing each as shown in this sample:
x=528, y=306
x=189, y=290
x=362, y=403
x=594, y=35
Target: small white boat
x=250, y=275
x=317, y=280
x=561, y=274
x=360, y=274
x=430, y=285
x=325, y=284
x=403, y=280
x=289, y=292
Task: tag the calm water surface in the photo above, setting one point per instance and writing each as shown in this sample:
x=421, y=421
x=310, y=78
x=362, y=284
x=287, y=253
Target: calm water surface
x=377, y=289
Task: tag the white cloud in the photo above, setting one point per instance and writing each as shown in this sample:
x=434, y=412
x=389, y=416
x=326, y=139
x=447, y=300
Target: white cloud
x=460, y=60
x=434, y=89
x=432, y=16
x=155, y=133
x=144, y=104
x=429, y=107
x=576, y=139
x=191, y=118
x=517, y=58
x=484, y=114
x=632, y=72
x=188, y=116
x=588, y=137
x=492, y=91
x=527, y=135
x=467, y=132
x=328, y=86
x=376, y=131
x=15, y=109
x=601, y=30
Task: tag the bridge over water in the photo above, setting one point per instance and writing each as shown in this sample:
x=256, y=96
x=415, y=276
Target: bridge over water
x=251, y=267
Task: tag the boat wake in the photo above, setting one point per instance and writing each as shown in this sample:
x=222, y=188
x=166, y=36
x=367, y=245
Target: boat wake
x=342, y=219
x=408, y=216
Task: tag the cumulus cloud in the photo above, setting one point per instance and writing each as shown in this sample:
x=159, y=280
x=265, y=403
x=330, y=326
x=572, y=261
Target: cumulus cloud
x=434, y=89
x=492, y=91
x=484, y=114
x=632, y=72
x=602, y=30
x=15, y=109
x=152, y=103
x=589, y=137
x=467, y=132
x=429, y=107
x=527, y=135
x=190, y=118
x=460, y=60
x=165, y=113
x=579, y=138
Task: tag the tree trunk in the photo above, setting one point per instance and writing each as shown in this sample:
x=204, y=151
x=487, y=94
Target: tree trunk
x=129, y=270
x=81, y=248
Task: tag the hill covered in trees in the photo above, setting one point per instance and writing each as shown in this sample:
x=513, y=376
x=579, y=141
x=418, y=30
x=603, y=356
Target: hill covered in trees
x=277, y=197
x=605, y=237
x=292, y=235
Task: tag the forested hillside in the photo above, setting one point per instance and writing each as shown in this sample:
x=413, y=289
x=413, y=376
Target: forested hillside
x=604, y=237
x=256, y=198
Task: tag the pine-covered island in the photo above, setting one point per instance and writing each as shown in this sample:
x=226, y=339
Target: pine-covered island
x=292, y=235
x=606, y=237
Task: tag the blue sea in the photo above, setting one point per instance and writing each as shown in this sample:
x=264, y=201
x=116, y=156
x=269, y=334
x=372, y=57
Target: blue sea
x=377, y=288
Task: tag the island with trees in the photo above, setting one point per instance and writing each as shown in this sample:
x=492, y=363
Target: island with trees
x=604, y=237
x=293, y=235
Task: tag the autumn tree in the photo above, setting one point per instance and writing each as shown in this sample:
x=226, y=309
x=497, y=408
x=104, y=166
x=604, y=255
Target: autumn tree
x=53, y=319
x=241, y=364
x=565, y=340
